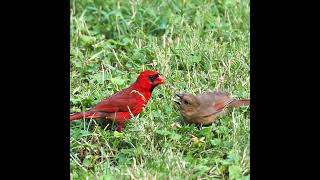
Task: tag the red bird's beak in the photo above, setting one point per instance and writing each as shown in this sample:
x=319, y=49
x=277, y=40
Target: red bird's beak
x=161, y=79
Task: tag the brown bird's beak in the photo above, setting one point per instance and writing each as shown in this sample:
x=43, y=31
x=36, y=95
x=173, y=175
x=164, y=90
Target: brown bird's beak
x=180, y=95
x=178, y=100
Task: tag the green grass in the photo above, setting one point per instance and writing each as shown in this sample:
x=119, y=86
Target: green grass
x=197, y=46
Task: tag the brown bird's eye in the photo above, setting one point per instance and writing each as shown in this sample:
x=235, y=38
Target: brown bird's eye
x=186, y=102
x=152, y=78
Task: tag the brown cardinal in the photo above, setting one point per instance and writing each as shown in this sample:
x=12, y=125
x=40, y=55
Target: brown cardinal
x=125, y=104
x=205, y=108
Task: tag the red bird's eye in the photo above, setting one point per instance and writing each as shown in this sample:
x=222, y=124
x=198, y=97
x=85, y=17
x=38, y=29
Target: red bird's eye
x=152, y=78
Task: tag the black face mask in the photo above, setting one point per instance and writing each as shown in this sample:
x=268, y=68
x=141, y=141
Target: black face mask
x=153, y=78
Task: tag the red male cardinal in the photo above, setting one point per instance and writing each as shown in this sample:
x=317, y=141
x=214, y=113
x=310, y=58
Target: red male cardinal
x=124, y=104
x=205, y=108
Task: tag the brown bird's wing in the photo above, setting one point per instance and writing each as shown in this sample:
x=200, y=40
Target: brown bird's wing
x=213, y=102
x=222, y=100
x=206, y=100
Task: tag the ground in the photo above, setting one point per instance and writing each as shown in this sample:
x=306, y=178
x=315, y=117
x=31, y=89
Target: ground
x=197, y=46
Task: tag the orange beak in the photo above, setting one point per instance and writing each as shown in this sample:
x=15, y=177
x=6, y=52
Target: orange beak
x=161, y=79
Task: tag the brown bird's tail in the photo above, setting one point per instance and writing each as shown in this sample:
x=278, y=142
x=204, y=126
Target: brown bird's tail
x=242, y=102
x=87, y=115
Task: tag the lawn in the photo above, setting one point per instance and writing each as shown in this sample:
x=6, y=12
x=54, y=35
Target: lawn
x=197, y=46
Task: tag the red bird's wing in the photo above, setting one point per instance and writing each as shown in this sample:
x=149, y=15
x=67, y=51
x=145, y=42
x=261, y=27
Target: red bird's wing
x=116, y=104
x=121, y=102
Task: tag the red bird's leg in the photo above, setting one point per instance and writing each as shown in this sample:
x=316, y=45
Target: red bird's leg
x=119, y=126
x=119, y=118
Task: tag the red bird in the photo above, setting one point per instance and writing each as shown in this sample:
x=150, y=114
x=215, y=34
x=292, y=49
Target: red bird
x=125, y=104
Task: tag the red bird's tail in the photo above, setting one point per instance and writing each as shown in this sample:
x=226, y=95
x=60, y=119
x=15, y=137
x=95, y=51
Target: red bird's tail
x=87, y=115
x=242, y=102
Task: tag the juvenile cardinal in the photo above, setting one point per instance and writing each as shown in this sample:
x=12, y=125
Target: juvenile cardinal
x=125, y=104
x=205, y=108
